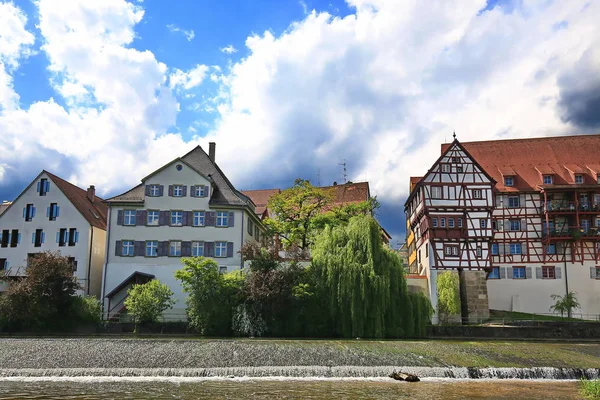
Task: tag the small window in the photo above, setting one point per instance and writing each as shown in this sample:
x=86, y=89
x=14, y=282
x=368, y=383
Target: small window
x=197, y=249
x=483, y=223
x=43, y=186
x=179, y=167
x=551, y=248
x=460, y=223
x=3, y=264
x=514, y=201
x=222, y=270
x=597, y=276
x=220, y=249
x=199, y=191
x=154, y=190
x=477, y=194
x=459, y=168
x=450, y=222
x=494, y=249
x=515, y=225
x=177, y=190
x=250, y=227
x=455, y=160
x=495, y=274
x=598, y=179
x=445, y=168
x=256, y=233
x=443, y=222
x=198, y=218
x=15, y=238
x=152, y=218
x=73, y=263
x=63, y=237
x=478, y=251
x=518, y=272
x=53, y=212
x=29, y=212
x=436, y=192
x=515, y=248
x=129, y=217
x=38, y=238
x=509, y=181
x=548, y=179
x=222, y=218
x=175, y=249
x=127, y=248
x=176, y=218
x=579, y=179
x=548, y=272
x=73, y=236
x=451, y=250
x=151, y=248
x=5, y=238
x=434, y=222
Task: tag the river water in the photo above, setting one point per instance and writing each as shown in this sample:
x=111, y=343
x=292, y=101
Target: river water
x=245, y=388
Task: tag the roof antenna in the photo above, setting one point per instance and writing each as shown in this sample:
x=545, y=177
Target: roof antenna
x=318, y=177
x=344, y=173
x=454, y=135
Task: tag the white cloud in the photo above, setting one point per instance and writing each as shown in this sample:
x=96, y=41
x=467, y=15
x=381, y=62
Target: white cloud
x=229, y=49
x=189, y=79
x=189, y=35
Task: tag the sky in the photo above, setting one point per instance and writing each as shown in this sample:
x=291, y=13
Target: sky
x=104, y=92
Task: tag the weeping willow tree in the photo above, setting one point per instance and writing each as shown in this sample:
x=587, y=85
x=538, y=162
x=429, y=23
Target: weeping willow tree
x=364, y=283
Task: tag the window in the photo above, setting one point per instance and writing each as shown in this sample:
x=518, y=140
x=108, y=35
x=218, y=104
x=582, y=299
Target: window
x=73, y=236
x=548, y=180
x=43, y=186
x=434, y=222
x=518, y=272
x=250, y=228
x=495, y=274
x=443, y=222
x=73, y=263
x=455, y=160
x=450, y=222
x=38, y=238
x=513, y=202
x=199, y=191
x=256, y=233
x=154, y=190
x=436, y=192
x=598, y=179
x=222, y=218
x=152, y=218
x=222, y=270
x=151, y=248
x=29, y=212
x=551, y=248
x=445, y=168
x=579, y=179
x=459, y=220
x=127, y=248
x=477, y=194
x=197, y=249
x=459, y=168
x=509, y=181
x=478, y=252
x=595, y=273
x=3, y=264
x=548, y=272
x=176, y=218
x=62, y=237
x=53, y=211
x=451, y=250
x=585, y=225
x=175, y=249
x=494, y=249
x=198, y=218
x=5, y=238
x=483, y=223
x=515, y=248
x=220, y=249
x=177, y=190
x=129, y=217
x=515, y=224
x=597, y=222
x=15, y=238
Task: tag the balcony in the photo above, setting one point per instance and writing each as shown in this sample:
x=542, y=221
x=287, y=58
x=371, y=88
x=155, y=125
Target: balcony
x=572, y=233
x=569, y=206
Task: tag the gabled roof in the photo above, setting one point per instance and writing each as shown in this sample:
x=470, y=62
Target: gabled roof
x=561, y=156
x=261, y=198
x=95, y=213
x=4, y=206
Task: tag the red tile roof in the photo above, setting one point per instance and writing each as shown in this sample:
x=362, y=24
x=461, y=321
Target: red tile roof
x=414, y=180
x=95, y=213
x=530, y=159
x=260, y=198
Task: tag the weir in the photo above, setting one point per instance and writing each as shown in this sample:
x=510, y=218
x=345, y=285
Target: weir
x=312, y=372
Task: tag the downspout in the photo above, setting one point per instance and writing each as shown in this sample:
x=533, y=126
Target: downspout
x=90, y=260
x=242, y=241
x=106, y=258
x=566, y=277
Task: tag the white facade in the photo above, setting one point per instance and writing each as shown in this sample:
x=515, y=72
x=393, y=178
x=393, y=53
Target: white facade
x=187, y=226
x=31, y=215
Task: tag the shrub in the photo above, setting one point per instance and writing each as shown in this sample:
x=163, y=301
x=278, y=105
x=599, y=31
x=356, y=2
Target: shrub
x=147, y=302
x=448, y=295
x=590, y=389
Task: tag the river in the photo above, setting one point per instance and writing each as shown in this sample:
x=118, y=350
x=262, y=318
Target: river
x=138, y=388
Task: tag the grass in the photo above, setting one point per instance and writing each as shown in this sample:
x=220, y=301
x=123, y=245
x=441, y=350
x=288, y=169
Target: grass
x=520, y=316
x=590, y=389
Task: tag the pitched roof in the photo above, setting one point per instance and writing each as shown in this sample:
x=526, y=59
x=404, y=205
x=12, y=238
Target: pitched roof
x=95, y=213
x=531, y=158
x=4, y=206
x=261, y=198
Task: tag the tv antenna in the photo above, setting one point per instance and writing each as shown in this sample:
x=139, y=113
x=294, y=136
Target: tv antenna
x=345, y=175
x=319, y=177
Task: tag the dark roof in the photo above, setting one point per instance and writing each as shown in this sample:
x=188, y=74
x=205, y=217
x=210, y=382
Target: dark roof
x=128, y=280
x=95, y=213
x=529, y=159
x=135, y=195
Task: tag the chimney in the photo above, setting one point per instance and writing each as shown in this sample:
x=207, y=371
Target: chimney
x=91, y=193
x=211, y=151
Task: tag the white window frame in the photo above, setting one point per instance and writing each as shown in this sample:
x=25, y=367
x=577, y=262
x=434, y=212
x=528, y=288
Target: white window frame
x=197, y=249
x=516, y=246
x=477, y=194
x=483, y=223
x=151, y=248
x=509, y=181
x=128, y=217
x=445, y=168
x=450, y=222
x=548, y=179
x=152, y=217
x=517, y=226
x=177, y=190
x=128, y=248
x=460, y=222
x=199, y=218
x=436, y=192
x=524, y=276
x=222, y=269
x=434, y=222
x=154, y=190
x=514, y=199
x=579, y=179
x=478, y=251
x=222, y=219
x=442, y=222
x=548, y=268
x=175, y=248
x=220, y=249
x=177, y=216
x=199, y=190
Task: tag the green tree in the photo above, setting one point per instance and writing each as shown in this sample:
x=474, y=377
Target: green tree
x=448, y=295
x=341, y=214
x=148, y=301
x=364, y=284
x=565, y=304
x=212, y=296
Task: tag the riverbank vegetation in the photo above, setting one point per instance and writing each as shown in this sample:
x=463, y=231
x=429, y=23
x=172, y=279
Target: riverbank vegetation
x=590, y=389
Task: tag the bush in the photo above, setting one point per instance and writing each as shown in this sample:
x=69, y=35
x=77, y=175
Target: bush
x=590, y=389
x=147, y=302
x=87, y=309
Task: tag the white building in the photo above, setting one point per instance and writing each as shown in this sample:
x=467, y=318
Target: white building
x=53, y=214
x=186, y=208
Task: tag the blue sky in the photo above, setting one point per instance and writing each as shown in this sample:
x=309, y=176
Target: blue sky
x=105, y=92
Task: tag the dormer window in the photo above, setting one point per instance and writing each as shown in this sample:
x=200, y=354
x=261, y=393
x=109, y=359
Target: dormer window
x=598, y=178
x=578, y=179
x=509, y=181
x=548, y=180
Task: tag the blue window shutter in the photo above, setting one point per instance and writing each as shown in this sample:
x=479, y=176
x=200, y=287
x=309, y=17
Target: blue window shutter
x=66, y=236
x=33, y=212
x=9, y=235
x=57, y=211
x=47, y=211
x=57, y=236
x=76, y=236
x=33, y=238
x=7, y=265
x=24, y=212
x=38, y=187
x=43, y=237
x=19, y=239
